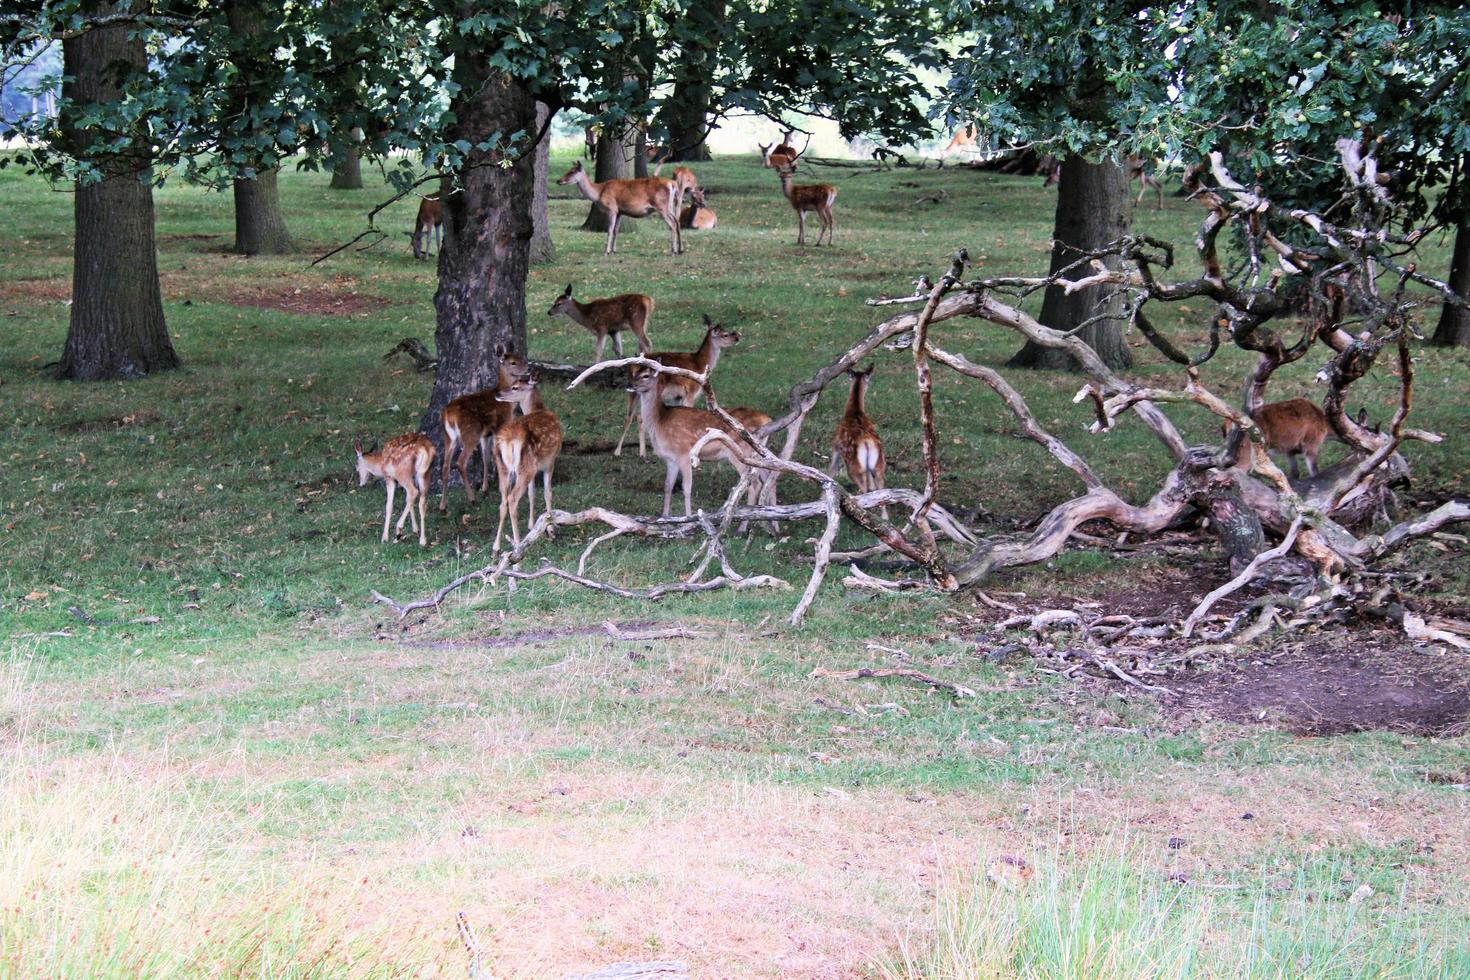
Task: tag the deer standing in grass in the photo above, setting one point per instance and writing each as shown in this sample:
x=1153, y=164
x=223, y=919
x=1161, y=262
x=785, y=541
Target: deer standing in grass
x=774, y=157
x=608, y=318
x=524, y=447
x=676, y=390
x=1296, y=427
x=430, y=221
x=964, y=140
x=402, y=462
x=1138, y=170
x=697, y=214
x=674, y=429
x=857, y=443
x=470, y=422
x=636, y=198
x=810, y=197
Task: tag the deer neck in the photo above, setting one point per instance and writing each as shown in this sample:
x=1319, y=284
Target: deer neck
x=855, y=407
x=576, y=311
x=588, y=187
x=651, y=409
x=708, y=354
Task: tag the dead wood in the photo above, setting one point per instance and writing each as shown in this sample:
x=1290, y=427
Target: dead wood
x=415, y=349
x=958, y=690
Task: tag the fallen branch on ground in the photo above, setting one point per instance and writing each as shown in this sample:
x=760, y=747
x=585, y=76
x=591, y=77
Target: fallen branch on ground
x=958, y=690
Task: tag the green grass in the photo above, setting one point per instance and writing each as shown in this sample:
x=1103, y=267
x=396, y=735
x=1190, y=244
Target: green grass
x=577, y=795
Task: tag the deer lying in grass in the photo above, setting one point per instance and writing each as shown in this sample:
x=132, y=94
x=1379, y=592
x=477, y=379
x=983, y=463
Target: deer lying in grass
x=856, y=442
x=470, y=422
x=674, y=429
x=697, y=214
x=636, y=198
x=1296, y=427
x=430, y=220
x=524, y=446
x=676, y=390
x=403, y=461
x=608, y=318
x=810, y=197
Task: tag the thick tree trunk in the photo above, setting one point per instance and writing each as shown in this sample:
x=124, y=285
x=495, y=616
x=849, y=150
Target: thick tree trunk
x=615, y=154
x=542, y=248
x=687, y=111
x=1454, y=321
x=117, y=328
x=347, y=170
x=640, y=152
x=481, y=301
x=260, y=226
x=1092, y=210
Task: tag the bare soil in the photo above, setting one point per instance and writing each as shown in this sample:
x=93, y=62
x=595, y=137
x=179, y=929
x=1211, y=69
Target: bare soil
x=308, y=301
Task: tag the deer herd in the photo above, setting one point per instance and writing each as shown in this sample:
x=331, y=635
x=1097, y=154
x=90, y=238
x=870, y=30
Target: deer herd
x=511, y=427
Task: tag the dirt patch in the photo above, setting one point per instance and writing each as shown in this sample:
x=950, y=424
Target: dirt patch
x=309, y=301
x=104, y=423
x=1352, y=681
x=53, y=290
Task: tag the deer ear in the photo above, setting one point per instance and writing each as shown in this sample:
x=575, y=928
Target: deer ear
x=568, y=291
x=357, y=445
x=1363, y=416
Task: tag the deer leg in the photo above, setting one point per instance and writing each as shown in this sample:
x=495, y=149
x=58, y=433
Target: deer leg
x=671, y=473
x=529, y=481
x=686, y=474
x=834, y=462
x=612, y=230
x=673, y=222
x=546, y=485
x=445, y=470
x=1291, y=462
x=601, y=345
x=1310, y=461
x=423, y=514
x=487, y=450
x=617, y=340
x=831, y=224
x=466, y=448
x=500, y=474
x=407, y=510
x=801, y=227
x=387, y=513
x=627, y=424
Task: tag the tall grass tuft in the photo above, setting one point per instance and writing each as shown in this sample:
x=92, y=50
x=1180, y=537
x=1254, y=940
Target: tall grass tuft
x=1115, y=917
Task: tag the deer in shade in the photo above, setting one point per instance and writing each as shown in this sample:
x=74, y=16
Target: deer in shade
x=402, y=462
x=430, y=221
x=1296, y=427
x=470, y=422
x=856, y=443
x=675, y=429
x=524, y=446
x=677, y=390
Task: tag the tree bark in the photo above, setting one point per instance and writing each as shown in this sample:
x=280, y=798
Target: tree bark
x=347, y=170
x=260, y=226
x=117, y=328
x=542, y=248
x=481, y=300
x=1092, y=210
x=687, y=111
x=640, y=152
x=615, y=154
x=1454, y=321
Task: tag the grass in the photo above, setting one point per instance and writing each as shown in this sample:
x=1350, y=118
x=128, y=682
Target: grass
x=322, y=788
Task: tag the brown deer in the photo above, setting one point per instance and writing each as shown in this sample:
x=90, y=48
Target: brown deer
x=430, y=220
x=470, y=422
x=697, y=214
x=963, y=141
x=810, y=197
x=785, y=148
x=608, y=318
x=856, y=442
x=774, y=159
x=674, y=429
x=402, y=462
x=524, y=446
x=1138, y=170
x=635, y=198
x=676, y=390
x=1296, y=427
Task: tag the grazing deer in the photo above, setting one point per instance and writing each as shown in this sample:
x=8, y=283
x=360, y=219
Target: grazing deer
x=1296, y=427
x=403, y=461
x=470, y=422
x=810, y=197
x=697, y=214
x=684, y=182
x=608, y=317
x=772, y=157
x=430, y=220
x=857, y=443
x=674, y=429
x=963, y=141
x=635, y=198
x=676, y=390
x=1138, y=170
x=524, y=446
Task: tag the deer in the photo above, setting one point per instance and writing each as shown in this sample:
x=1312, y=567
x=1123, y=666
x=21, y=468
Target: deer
x=810, y=197
x=674, y=429
x=524, y=446
x=1296, y=427
x=1138, y=170
x=963, y=141
x=698, y=214
x=471, y=421
x=678, y=390
x=635, y=198
x=856, y=442
x=430, y=220
x=774, y=159
x=403, y=461
x=608, y=317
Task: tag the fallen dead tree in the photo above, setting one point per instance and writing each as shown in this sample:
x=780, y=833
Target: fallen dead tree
x=1359, y=267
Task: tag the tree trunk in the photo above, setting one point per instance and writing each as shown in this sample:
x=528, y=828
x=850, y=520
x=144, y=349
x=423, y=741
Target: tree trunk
x=1092, y=210
x=542, y=248
x=117, y=328
x=640, y=152
x=260, y=226
x=481, y=301
x=347, y=171
x=1454, y=321
x=686, y=113
x=615, y=154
